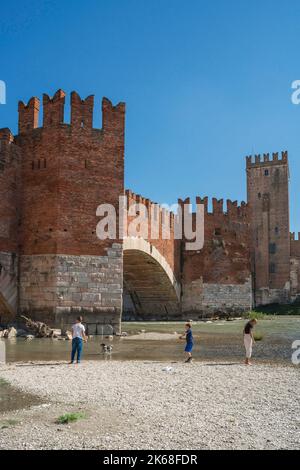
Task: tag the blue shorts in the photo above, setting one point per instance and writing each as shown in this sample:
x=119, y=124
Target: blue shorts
x=189, y=347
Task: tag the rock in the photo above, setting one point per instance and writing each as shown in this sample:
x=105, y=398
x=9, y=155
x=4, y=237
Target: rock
x=68, y=335
x=21, y=332
x=10, y=333
x=56, y=332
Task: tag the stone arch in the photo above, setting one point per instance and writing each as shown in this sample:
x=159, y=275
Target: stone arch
x=151, y=291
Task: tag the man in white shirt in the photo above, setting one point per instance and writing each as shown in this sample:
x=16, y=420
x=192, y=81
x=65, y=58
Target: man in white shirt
x=78, y=336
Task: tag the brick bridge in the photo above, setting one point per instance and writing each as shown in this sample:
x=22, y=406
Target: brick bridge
x=53, y=176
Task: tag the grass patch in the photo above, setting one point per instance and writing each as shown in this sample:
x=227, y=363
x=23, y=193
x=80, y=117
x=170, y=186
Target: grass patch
x=8, y=423
x=255, y=315
x=69, y=418
x=3, y=382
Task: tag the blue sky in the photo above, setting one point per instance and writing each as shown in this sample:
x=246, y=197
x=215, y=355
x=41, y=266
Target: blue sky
x=205, y=82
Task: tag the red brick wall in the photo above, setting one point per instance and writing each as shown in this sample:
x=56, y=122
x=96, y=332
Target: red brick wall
x=268, y=198
x=225, y=257
x=67, y=171
x=9, y=192
x=169, y=247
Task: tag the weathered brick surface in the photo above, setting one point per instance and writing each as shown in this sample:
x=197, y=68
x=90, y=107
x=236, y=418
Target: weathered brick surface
x=217, y=277
x=164, y=241
x=10, y=158
x=67, y=171
x=268, y=197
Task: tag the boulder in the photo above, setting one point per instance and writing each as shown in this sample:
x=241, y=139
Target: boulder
x=10, y=333
x=21, y=332
x=68, y=335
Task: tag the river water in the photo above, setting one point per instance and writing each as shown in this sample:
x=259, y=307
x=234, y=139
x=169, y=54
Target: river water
x=217, y=341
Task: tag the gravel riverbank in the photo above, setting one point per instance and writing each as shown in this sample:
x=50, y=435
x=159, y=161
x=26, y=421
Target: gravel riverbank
x=138, y=405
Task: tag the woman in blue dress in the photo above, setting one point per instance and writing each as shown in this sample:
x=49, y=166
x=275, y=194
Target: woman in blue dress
x=188, y=336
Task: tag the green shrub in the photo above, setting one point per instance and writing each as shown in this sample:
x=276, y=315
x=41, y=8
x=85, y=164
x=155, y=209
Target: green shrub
x=277, y=309
x=255, y=315
x=69, y=418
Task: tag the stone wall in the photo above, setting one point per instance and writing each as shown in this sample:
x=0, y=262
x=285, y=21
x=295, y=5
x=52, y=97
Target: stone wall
x=57, y=288
x=228, y=298
x=204, y=300
x=267, y=296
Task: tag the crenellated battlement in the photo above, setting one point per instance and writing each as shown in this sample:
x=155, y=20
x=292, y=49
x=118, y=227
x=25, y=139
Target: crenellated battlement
x=294, y=236
x=158, y=210
x=6, y=135
x=28, y=115
x=82, y=110
x=265, y=160
x=9, y=152
x=233, y=210
x=53, y=109
x=113, y=117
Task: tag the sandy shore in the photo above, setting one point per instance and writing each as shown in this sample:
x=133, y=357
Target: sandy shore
x=136, y=405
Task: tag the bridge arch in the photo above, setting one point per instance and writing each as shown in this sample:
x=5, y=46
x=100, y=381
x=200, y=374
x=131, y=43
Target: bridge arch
x=151, y=291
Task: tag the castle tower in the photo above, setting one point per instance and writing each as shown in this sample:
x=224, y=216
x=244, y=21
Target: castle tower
x=268, y=198
x=67, y=171
x=9, y=218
